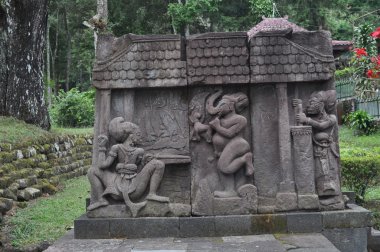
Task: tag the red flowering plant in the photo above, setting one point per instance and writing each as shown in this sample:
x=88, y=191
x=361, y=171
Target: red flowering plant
x=366, y=61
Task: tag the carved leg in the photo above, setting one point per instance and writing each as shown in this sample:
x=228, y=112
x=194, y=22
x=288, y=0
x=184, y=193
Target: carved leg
x=151, y=174
x=97, y=200
x=228, y=181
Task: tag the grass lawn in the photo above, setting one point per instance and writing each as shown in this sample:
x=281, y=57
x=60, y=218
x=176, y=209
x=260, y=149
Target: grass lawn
x=15, y=131
x=47, y=219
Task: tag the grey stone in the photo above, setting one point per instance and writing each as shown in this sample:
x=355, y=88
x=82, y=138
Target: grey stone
x=347, y=239
x=233, y=225
x=196, y=226
x=307, y=242
x=22, y=183
x=356, y=217
x=304, y=222
x=35, y=193
x=269, y=223
x=373, y=240
x=86, y=228
x=8, y=193
x=144, y=227
x=5, y=205
x=351, y=197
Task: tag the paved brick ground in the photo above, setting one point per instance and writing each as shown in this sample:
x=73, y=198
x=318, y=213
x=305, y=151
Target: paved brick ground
x=255, y=243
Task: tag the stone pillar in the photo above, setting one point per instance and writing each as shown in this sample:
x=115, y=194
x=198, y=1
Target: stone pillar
x=304, y=167
x=102, y=118
x=286, y=198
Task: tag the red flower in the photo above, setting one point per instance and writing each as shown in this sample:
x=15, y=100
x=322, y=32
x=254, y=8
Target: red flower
x=369, y=73
x=376, y=33
x=360, y=52
x=373, y=74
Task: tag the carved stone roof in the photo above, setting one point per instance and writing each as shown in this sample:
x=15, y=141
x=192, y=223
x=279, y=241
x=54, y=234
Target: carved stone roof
x=276, y=58
x=218, y=58
x=146, y=61
x=274, y=24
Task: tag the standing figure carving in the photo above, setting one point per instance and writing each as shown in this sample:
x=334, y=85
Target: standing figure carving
x=133, y=173
x=231, y=151
x=320, y=116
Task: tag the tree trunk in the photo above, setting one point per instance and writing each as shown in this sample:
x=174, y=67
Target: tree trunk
x=3, y=61
x=48, y=65
x=54, y=58
x=26, y=23
x=68, y=55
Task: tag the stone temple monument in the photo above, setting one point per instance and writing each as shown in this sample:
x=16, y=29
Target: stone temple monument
x=193, y=130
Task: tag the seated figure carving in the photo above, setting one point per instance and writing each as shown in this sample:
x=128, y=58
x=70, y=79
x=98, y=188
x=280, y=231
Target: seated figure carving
x=134, y=172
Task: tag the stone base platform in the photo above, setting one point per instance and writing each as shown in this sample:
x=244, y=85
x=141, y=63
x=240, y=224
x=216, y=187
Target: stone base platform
x=346, y=229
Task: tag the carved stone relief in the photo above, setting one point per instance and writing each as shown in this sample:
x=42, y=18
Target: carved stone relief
x=162, y=117
x=126, y=173
x=319, y=114
x=222, y=156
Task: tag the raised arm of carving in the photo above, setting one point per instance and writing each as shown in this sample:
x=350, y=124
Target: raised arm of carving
x=110, y=158
x=233, y=130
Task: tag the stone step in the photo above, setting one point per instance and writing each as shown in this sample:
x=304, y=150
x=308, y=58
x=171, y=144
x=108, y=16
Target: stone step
x=313, y=242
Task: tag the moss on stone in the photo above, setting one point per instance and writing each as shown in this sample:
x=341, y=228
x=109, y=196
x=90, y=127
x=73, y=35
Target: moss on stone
x=5, y=182
x=7, y=168
x=7, y=157
x=51, y=156
x=44, y=165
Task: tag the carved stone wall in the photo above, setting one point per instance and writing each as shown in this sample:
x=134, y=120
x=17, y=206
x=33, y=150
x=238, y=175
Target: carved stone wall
x=213, y=124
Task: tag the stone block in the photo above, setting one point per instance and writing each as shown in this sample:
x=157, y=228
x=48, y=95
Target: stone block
x=144, y=227
x=351, y=196
x=269, y=223
x=308, y=201
x=233, y=225
x=373, y=240
x=304, y=222
x=355, y=217
x=5, y=205
x=196, y=226
x=86, y=228
x=348, y=239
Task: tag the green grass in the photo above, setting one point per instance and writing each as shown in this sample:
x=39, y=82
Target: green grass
x=13, y=130
x=49, y=218
x=348, y=140
x=16, y=131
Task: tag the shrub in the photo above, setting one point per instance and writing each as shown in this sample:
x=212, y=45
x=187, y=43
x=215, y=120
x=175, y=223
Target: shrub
x=361, y=122
x=360, y=171
x=73, y=109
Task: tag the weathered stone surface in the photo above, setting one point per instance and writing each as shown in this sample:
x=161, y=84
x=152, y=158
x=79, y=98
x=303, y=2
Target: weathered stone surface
x=347, y=239
x=355, y=217
x=307, y=242
x=304, y=222
x=197, y=226
x=141, y=228
x=269, y=223
x=233, y=225
x=140, y=61
x=222, y=54
x=5, y=205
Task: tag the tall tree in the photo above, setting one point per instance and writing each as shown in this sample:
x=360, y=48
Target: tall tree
x=25, y=36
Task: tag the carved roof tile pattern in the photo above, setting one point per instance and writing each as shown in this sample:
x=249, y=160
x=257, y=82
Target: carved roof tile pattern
x=144, y=63
x=278, y=59
x=218, y=58
x=273, y=24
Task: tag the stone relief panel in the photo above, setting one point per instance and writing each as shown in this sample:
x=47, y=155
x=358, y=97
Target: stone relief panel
x=162, y=117
x=320, y=115
x=125, y=173
x=222, y=165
